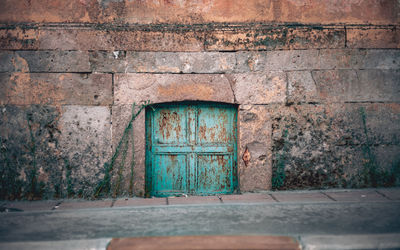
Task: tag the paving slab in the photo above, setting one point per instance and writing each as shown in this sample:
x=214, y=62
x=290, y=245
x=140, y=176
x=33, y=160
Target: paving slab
x=74, y=204
x=246, y=198
x=140, y=202
x=20, y=206
x=87, y=244
x=356, y=195
x=193, y=200
x=205, y=242
x=392, y=194
x=363, y=241
x=301, y=197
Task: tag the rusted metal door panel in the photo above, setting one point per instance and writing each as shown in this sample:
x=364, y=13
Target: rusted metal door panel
x=170, y=173
x=191, y=149
x=170, y=126
x=215, y=126
x=214, y=173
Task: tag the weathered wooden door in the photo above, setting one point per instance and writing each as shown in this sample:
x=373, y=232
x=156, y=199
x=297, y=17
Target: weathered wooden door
x=191, y=148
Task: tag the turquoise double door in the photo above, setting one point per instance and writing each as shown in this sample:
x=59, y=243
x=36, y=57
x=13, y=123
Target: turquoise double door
x=191, y=149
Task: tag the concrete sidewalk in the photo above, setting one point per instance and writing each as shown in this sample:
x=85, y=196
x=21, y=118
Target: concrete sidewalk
x=328, y=219
x=324, y=196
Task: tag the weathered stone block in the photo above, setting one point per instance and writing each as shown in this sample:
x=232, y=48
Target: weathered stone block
x=378, y=85
x=55, y=61
x=14, y=39
x=374, y=123
x=336, y=85
x=388, y=161
x=156, y=62
x=30, y=159
x=371, y=165
x=292, y=60
x=343, y=124
x=250, y=61
x=138, y=88
x=259, y=88
x=111, y=61
x=81, y=39
x=382, y=123
x=357, y=85
x=136, y=62
x=86, y=144
x=332, y=119
x=330, y=145
x=303, y=146
x=275, y=39
x=381, y=59
x=14, y=63
x=341, y=58
x=312, y=59
x=182, y=62
x=359, y=59
x=301, y=87
x=44, y=61
x=373, y=38
x=317, y=59
x=132, y=168
x=202, y=62
x=162, y=62
x=255, y=143
x=42, y=88
x=6, y=61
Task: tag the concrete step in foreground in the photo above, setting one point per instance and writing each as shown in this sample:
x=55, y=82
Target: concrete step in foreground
x=311, y=242
x=205, y=242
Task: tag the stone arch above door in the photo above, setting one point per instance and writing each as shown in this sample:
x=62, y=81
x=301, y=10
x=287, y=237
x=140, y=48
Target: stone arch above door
x=159, y=88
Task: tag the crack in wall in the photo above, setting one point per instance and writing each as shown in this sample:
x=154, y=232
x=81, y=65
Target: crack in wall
x=287, y=88
x=231, y=84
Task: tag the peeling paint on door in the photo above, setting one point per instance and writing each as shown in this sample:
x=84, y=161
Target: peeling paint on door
x=191, y=149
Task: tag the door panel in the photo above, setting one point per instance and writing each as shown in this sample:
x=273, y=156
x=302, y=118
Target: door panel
x=215, y=125
x=170, y=126
x=170, y=173
x=191, y=148
x=213, y=173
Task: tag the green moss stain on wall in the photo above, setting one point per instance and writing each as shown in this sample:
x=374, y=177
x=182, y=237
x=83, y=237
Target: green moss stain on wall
x=104, y=187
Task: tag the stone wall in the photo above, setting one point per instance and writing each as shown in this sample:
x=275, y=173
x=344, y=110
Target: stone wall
x=317, y=86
